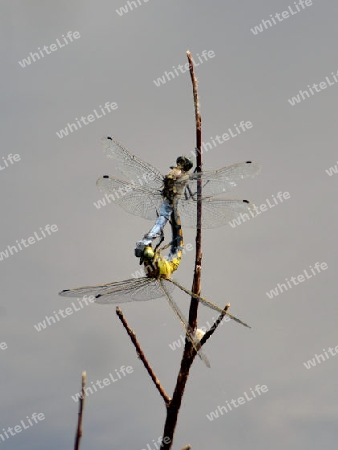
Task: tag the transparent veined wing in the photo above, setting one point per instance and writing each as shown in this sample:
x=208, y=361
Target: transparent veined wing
x=132, y=167
x=209, y=304
x=166, y=287
x=90, y=290
x=118, y=292
x=215, y=182
x=137, y=200
x=215, y=211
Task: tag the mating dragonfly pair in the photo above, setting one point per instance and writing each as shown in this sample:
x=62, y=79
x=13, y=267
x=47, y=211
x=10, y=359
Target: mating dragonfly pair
x=163, y=198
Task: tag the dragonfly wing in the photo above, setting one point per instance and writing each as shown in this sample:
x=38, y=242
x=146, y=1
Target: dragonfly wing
x=166, y=286
x=134, y=199
x=151, y=290
x=134, y=289
x=209, y=304
x=215, y=212
x=98, y=289
x=131, y=166
x=215, y=182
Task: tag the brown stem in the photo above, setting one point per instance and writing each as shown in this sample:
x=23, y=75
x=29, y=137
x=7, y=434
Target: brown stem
x=175, y=404
x=80, y=415
x=196, y=286
x=142, y=357
x=188, y=354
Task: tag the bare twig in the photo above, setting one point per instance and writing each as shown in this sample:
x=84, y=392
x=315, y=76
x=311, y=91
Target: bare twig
x=196, y=286
x=189, y=354
x=142, y=357
x=80, y=416
x=210, y=332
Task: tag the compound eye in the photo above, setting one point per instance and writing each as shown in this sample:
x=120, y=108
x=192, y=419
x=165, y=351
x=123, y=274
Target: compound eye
x=185, y=162
x=148, y=252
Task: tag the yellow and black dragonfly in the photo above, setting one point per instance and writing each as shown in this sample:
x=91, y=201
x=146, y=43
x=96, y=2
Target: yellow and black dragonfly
x=156, y=284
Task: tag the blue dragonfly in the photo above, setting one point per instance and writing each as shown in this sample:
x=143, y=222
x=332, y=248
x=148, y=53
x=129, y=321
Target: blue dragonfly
x=150, y=195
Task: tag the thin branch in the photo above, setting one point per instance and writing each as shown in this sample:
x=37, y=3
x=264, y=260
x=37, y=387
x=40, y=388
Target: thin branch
x=210, y=332
x=142, y=357
x=189, y=353
x=175, y=404
x=196, y=286
x=80, y=415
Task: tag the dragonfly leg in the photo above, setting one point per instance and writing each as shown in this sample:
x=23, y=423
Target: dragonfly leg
x=188, y=194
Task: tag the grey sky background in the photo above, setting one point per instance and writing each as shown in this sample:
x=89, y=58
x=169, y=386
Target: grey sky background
x=250, y=78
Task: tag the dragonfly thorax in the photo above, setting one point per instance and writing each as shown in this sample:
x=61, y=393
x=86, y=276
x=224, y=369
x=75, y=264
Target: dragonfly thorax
x=174, y=183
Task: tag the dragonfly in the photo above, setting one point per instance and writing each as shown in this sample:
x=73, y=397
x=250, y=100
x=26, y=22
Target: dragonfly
x=149, y=194
x=156, y=284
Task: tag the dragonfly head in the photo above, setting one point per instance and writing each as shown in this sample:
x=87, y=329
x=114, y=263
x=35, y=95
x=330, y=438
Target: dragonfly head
x=148, y=252
x=184, y=163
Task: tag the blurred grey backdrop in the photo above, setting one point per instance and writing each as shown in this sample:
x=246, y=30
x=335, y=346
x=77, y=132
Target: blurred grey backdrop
x=252, y=76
